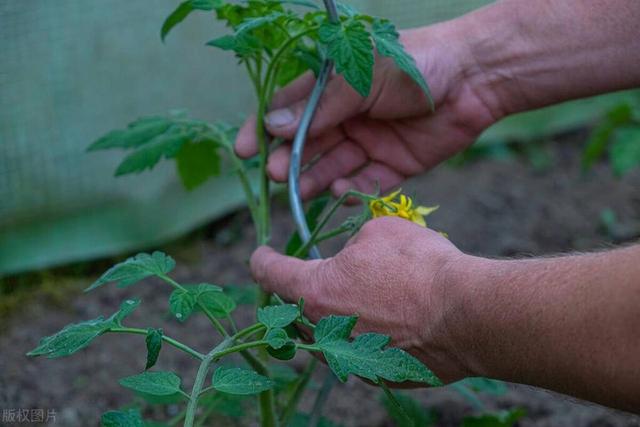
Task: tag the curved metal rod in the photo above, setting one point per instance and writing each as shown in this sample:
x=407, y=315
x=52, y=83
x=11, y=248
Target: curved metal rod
x=295, y=200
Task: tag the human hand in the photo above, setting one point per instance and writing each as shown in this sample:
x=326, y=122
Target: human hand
x=389, y=136
x=393, y=274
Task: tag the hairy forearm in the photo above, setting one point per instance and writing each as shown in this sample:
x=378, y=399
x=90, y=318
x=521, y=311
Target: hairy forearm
x=529, y=54
x=568, y=324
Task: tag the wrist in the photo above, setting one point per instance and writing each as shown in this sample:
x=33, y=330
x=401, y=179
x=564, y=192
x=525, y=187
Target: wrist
x=471, y=288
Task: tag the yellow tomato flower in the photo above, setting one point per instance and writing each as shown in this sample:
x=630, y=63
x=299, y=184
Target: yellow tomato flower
x=401, y=206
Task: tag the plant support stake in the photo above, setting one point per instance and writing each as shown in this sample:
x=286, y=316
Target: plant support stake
x=295, y=200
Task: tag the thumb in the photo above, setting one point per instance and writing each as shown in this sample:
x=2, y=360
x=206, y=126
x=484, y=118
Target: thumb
x=338, y=103
x=286, y=276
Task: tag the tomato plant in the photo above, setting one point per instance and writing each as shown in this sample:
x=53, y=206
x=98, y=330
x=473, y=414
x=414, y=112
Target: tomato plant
x=275, y=45
x=275, y=41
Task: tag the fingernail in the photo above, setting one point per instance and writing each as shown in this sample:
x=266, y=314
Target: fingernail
x=280, y=118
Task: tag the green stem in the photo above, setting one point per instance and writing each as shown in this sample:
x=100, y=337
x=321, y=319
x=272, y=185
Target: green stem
x=240, y=347
x=246, y=185
x=325, y=219
x=201, y=376
x=333, y=233
x=301, y=385
x=396, y=403
x=249, y=331
x=308, y=347
x=165, y=338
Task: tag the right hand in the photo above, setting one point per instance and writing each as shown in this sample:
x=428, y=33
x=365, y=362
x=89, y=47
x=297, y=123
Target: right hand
x=389, y=136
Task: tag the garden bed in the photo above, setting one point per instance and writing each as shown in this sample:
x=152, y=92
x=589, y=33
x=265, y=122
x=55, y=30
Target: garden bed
x=500, y=208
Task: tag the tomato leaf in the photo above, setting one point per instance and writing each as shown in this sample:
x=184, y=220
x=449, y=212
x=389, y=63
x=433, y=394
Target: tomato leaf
x=157, y=383
x=366, y=356
x=387, y=42
x=211, y=298
x=197, y=162
x=277, y=338
x=154, y=345
x=183, y=10
x=240, y=381
x=182, y=304
x=349, y=45
x=278, y=316
x=76, y=336
x=135, y=269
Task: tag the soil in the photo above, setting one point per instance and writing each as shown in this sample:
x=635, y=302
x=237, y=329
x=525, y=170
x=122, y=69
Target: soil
x=498, y=208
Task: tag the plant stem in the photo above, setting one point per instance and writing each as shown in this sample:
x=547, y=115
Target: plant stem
x=240, y=347
x=325, y=219
x=308, y=347
x=299, y=388
x=396, y=403
x=165, y=338
x=248, y=331
x=333, y=233
x=201, y=376
x=246, y=185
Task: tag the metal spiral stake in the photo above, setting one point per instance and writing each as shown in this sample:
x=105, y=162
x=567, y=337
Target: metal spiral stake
x=295, y=200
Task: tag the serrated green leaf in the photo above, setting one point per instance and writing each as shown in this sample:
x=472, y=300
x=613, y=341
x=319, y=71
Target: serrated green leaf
x=387, y=42
x=184, y=10
x=349, y=45
x=253, y=23
x=365, y=356
x=177, y=16
x=334, y=328
x=135, y=269
x=165, y=146
x=128, y=418
x=182, y=304
x=277, y=338
x=278, y=316
x=71, y=339
x=154, y=383
x=154, y=345
x=498, y=419
x=625, y=150
x=138, y=133
x=240, y=381
x=214, y=300
x=197, y=162
x=206, y=4
x=243, y=44
x=126, y=308
x=316, y=208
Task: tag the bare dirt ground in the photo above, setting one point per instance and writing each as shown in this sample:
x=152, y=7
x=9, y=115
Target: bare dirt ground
x=491, y=208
